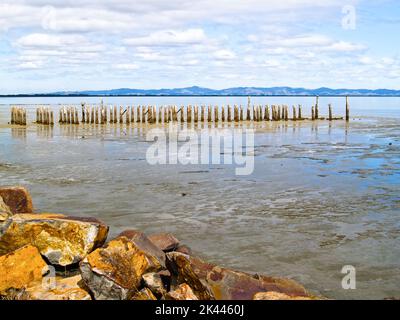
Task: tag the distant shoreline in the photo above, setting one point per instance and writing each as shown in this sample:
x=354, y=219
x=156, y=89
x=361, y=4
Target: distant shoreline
x=200, y=95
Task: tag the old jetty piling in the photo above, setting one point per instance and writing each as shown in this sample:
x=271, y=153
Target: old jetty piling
x=151, y=114
x=45, y=116
x=18, y=116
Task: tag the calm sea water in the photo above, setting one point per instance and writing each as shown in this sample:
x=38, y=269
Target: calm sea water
x=321, y=195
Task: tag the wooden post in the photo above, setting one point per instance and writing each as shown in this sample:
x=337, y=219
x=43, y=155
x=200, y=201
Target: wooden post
x=216, y=115
x=196, y=113
x=316, y=112
x=189, y=114
x=229, y=113
x=347, y=109
x=236, y=113
x=209, y=113
x=182, y=113
x=294, y=113
x=223, y=113
x=266, y=113
x=138, y=113
x=203, y=114
x=300, y=116
x=330, y=112
x=241, y=113
x=248, y=113
x=312, y=113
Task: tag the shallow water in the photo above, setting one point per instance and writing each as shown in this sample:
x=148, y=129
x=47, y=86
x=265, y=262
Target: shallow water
x=321, y=195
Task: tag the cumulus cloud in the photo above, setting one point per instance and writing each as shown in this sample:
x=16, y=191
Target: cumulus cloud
x=263, y=41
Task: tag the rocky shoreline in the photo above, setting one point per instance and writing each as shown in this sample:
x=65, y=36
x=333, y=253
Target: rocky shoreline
x=47, y=256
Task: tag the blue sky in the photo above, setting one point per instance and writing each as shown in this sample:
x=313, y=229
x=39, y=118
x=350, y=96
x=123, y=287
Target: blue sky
x=48, y=46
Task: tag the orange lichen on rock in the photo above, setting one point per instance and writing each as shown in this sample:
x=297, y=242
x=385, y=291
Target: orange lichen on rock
x=62, y=240
x=21, y=268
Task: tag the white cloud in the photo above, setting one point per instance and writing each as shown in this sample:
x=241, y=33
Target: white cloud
x=126, y=66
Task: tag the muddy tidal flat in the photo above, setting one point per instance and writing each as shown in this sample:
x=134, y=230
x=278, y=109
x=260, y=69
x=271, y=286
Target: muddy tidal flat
x=322, y=194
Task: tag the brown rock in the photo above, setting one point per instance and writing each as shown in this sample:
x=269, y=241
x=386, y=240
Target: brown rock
x=144, y=244
x=234, y=285
x=154, y=282
x=65, y=289
x=164, y=241
x=17, y=199
x=115, y=272
x=182, y=292
x=192, y=271
x=62, y=240
x=144, y=294
x=184, y=249
x=272, y=295
x=20, y=268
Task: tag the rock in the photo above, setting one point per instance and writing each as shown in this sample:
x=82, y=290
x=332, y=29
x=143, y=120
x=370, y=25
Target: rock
x=115, y=272
x=182, y=292
x=17, y=199
x=234, y=285
x=21, y=268
x=154, y=282
x=272, y=295
x=192, y=271
x=65, y=289
x=184, y=249
x=144, y=244
x=144, y=294
x=5, y=211
x=164, y=241
x=62, y=240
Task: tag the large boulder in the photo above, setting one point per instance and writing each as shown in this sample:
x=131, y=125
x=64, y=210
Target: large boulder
x=17, y=199
x=64, y=289
x=209, y=281
x=21, y=268
x=61, y=239
x=164, y=241
x=115, y=271
x=192, y=271
x=182, y=292
x=228, y=284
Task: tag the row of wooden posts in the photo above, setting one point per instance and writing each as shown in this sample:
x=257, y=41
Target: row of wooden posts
x=18, y=116
x=165, y=114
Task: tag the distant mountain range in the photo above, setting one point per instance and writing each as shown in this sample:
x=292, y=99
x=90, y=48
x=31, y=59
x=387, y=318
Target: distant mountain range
x=239, y=91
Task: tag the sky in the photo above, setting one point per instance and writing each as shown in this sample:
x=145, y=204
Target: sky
x=48, y=46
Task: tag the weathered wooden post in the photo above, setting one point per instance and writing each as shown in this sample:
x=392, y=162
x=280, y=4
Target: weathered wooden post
x=347, y=109
x=294, y=113
x=316, y=114
x=189, y=114
x=236, y=113
x=223, y=113
x=241, y=113
x=209, y=114
x=138, y=114
x=299, y=114
x=216, y=115
x=229, y=113
x=330, y=112
x=51, y=118
x=266, y=113
x=182, y=114
x=115, y=117
x=248, y=116
x=203, y=114
x=312, y=113
x=196, y=113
